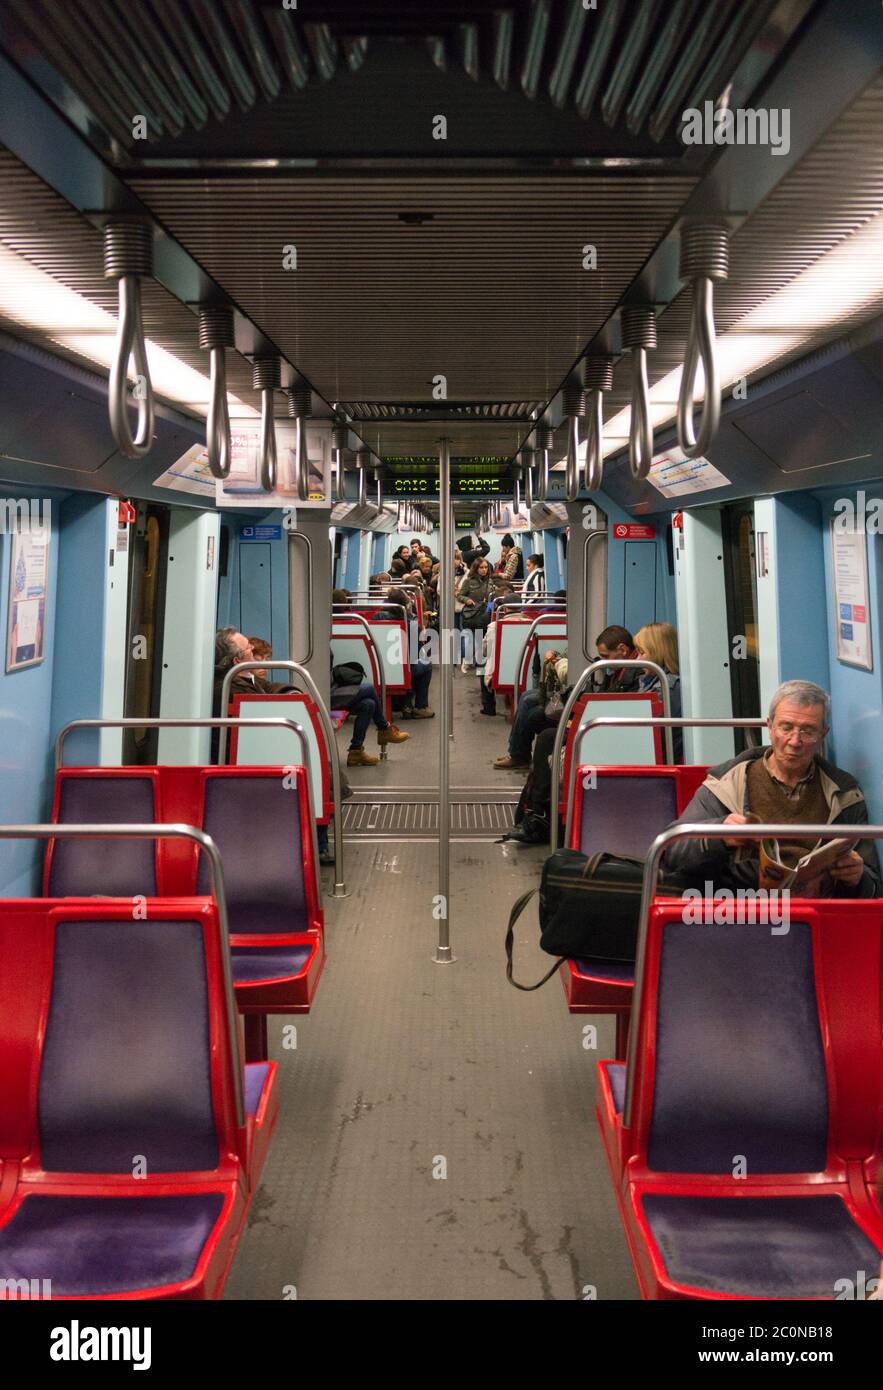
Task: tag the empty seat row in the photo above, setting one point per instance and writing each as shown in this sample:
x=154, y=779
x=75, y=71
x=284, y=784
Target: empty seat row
x=259, y=817
x=745, y=1146
x=131, y=1135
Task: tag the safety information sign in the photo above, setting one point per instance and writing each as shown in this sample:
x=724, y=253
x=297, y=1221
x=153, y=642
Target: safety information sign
x=849, y=564
x=674, y=475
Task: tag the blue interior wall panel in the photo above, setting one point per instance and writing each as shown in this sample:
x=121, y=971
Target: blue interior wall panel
x=856, y=738
x=26, y=733
x=255, y=585
x=639, y=564
x=621, y=604
x=803, y=642
x=353, y=554
x=550, y=552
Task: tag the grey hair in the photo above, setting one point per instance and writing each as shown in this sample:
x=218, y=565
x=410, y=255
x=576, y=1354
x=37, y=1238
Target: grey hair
x=226, y=654
x=804, y=693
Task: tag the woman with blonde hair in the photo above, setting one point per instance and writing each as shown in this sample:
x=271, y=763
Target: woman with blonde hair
x=659, y=642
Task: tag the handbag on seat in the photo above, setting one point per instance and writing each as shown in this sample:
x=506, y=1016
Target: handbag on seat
x=589, y=906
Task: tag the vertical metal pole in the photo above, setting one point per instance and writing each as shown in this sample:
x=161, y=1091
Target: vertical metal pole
x=443, y=954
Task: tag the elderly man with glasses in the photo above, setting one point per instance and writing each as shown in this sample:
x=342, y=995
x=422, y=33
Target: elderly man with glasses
x=786, y=783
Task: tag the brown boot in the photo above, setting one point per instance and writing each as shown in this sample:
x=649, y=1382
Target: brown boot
x=391, y=735
x=357, y=757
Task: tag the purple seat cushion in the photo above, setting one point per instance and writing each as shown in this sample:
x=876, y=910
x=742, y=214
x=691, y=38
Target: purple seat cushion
x=92, y=1245
x=255, y=821
x=616, y=1074
x=125, y=1069
x=255, y=1077
x=115, y=868
x=773, y=1247
x=267, y=963
x=619, y=971
x=623, y=815
x=740, y=1069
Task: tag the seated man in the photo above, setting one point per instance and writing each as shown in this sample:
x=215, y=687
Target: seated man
x=787, y=782
x=530, y=717
x=616, y=642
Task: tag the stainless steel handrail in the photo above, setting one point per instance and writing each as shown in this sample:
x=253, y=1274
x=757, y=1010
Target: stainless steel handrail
x=640, y=427
x=541, y=617
x=594, y=465
x=196, y=723
x=130, y=342
x=171, y=831
x=561, y=731
x=363, y=622
x=443, y=954
x=339, y=889
x=589, y=538
x=710, y=831
x=652, y=722
x=268, y=456
x=299, y=536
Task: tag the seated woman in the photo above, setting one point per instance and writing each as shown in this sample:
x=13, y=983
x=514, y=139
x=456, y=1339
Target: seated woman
x=659, y=642
x=421, y=671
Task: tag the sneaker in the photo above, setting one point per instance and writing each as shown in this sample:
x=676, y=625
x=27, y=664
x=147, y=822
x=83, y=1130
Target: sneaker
x=357, y=757
x=510, y=762
x=466, y=667
x=423, y=714
x=391, y=735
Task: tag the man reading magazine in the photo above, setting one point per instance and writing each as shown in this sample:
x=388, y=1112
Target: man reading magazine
x=787, y=783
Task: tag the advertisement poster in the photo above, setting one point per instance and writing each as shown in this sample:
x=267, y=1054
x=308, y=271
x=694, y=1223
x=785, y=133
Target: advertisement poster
x=512, y=520
x=242, y=488
x=28, y=579
x=190, y=473
x=852, y=627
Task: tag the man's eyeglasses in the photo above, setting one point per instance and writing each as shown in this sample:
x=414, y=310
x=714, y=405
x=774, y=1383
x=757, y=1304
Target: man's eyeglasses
x=806, y=731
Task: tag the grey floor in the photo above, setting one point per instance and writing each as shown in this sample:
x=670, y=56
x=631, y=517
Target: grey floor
x=436, y=1138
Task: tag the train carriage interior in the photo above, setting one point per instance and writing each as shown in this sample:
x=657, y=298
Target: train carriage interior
x=441, y=447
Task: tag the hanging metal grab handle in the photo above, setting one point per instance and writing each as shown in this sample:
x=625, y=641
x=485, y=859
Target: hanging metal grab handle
x=339, y=437
x=266, y=376
x=599, y=378
x=215, y=335
x=362, y=456
x=704, y=259
x=529, y=456
x=574, y=404
x=547, y=444
x=639, y=337
x=299, y=407
x=128, y=254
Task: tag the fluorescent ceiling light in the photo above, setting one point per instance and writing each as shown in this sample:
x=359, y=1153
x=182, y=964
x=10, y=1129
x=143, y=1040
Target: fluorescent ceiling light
x=842, y=282
x=37, y=301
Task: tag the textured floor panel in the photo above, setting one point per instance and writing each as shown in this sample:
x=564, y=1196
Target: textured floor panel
x=405, y=1069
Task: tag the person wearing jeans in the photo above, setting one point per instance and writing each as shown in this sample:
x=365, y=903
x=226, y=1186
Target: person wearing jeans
x=363, y=702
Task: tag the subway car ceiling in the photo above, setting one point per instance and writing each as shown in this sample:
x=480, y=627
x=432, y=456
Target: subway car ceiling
x=457, y=263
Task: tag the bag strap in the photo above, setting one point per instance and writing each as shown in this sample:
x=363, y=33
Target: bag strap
x=514, y=915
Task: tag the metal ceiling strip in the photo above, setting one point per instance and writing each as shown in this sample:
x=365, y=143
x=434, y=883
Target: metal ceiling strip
x=192, y=52
x=501, y=61
x=634, y=41
x=596, y=58
x=323, y=46
x=247, y=26
x=657, y=63
x=538, y=29
x=120, y=40
x=211, y=21
x=290, y=48
x=700, y=42
x=568, y=49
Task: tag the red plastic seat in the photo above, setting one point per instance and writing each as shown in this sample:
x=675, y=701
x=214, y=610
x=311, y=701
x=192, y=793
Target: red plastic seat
x=260, y=818
x=605, y=818
x=124, y=1171
x=748, y=1164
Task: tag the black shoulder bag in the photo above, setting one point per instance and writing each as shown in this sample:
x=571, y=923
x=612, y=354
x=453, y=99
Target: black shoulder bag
x=589, y=906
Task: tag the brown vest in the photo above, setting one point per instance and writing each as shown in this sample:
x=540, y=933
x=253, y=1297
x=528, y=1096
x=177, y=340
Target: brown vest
x=769, y=800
